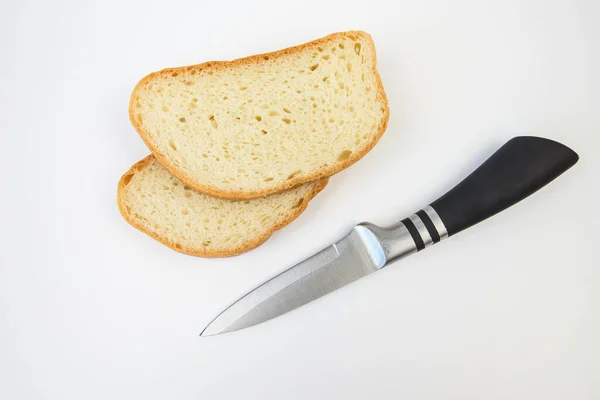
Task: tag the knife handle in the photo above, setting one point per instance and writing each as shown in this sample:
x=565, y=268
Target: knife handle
x=522, y=166
x=519, y=168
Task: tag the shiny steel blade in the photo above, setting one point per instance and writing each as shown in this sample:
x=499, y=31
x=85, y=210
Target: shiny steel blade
x=356, y=255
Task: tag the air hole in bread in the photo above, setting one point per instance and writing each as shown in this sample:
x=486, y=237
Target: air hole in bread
x=313, y=67
x=287, y=120
x=326, y=57
x=185, y=211
x=213, y=121
x=341, y=45
x=181, y=119
x=287, y=110
x=268, y=179
x=172, y=145
x=349, y=66
x=299, y=203
x=344, y=155
x=273, y=113
x=293, y=174
x=258, y=118
x=357, y=48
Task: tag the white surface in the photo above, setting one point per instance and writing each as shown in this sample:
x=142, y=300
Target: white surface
x=90, y=308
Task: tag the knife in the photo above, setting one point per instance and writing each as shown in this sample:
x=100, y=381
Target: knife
x=519, y=168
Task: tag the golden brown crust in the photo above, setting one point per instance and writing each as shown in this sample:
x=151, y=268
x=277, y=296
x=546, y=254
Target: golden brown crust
x=320, y=184
x=258, y=59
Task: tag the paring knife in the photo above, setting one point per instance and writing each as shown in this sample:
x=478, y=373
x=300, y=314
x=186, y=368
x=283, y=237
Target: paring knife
x=519, y=168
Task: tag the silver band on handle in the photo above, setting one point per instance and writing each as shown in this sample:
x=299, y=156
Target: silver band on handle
x=425, y=236
x=437, y=222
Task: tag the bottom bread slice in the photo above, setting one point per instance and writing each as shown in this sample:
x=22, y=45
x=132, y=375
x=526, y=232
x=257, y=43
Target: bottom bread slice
x=160, y=205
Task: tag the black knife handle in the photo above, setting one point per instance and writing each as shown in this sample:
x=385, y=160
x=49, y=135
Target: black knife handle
x=519, y=168
x=523, y=165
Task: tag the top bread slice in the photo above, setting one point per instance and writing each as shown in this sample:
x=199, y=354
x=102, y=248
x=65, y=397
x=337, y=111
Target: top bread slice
x=259, y=125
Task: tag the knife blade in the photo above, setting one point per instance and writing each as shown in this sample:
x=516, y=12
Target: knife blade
x=519, y=168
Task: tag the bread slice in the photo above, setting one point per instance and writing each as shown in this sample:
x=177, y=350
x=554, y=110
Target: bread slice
x=262, y=124
x=163, y=207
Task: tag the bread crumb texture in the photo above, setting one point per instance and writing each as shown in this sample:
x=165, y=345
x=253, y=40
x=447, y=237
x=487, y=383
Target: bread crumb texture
x=258, y=125
x=160, y=205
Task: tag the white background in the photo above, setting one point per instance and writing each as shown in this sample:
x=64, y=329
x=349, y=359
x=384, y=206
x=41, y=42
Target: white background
x=92, y=309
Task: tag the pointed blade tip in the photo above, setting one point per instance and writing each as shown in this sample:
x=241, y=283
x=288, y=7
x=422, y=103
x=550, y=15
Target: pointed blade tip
x=207, y=332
